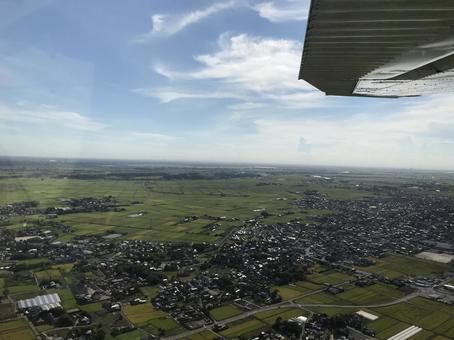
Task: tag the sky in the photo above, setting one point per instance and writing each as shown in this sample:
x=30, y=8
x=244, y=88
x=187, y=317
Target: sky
x=193, y=80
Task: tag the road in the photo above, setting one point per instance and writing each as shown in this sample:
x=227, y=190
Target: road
x=226, y=237
x=291, y=303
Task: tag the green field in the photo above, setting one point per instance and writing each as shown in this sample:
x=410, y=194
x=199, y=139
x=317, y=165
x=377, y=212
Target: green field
x=150, y=292
x=394, y=266
x=23, y=289
x=15, y=330
x=436, y=319
x=67, y=298
x=288, y=292
x=224, y=312
x=329, y=278
x=245, y=329
x=134, y=335
x=48, y=275
x=92, y=307
x=139, y=314
x=375, y=294
x=204, y=335
x=63, y=267
x=167, y=202
x=261, y=321
x=6, y=311
x=271, y=316
x=150, y=319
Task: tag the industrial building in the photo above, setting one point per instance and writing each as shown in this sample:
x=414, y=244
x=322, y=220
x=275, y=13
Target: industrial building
x=45, y=302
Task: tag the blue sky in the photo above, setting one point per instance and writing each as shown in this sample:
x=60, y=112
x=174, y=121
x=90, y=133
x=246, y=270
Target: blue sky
x=193, y=80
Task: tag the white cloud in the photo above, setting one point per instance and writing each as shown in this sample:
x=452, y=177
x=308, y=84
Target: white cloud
x=248, y=68
x=283, y=10
x=246, y=106
x=49, y=116
x=402, y=135
x=404, y=138
x=167, y=95
x=256, y=63
x=169, y=24
x=157, y=138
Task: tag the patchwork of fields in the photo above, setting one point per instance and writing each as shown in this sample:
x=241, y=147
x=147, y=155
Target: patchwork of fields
x=166, y=203
x=395, y=266
x=205, y=210
x=15, y=330
x=151, y=320
x=259, y=322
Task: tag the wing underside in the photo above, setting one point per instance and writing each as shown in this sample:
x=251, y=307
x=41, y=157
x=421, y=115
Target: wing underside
x=380, y=48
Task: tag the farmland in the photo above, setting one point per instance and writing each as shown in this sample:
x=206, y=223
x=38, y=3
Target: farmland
x=395, y=266
x=167, y=202
x=207, y=251
x=224, y=312
x=436, y=319
x=151, y=319
x=17, y=329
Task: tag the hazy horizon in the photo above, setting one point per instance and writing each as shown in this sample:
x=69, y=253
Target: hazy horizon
x=222, y=164
x=194, y=81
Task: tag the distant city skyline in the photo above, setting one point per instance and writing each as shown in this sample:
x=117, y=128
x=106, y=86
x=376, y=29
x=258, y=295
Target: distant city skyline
x=209, y=81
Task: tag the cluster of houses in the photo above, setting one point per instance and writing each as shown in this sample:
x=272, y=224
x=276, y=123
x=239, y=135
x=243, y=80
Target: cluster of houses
x=398, y=220
x=86, y=204
x=17, y=209
x=193, y=279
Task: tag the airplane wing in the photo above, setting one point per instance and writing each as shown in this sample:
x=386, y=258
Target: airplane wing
x=380, y=48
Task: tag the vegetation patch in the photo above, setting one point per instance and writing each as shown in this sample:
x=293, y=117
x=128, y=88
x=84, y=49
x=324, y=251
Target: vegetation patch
x=150, y=292
x=67, y=298
x=6, y=311
x=151, y=319
x=22, y=289
x=224, y=312
x=92, y=307
x=48, y=275
x=205, y=335
x=393, y=330
x=288, y=292
x=329, y=278
x=283, y=314
x=15, y=330
x=245, y=329
x=377, y=293
x=394, y=265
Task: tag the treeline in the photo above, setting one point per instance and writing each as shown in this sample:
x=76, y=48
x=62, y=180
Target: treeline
x=167, y=176
x=138, y=270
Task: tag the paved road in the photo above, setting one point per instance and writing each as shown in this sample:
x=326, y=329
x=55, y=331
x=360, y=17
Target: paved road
x=226, y=237
x=291, y=303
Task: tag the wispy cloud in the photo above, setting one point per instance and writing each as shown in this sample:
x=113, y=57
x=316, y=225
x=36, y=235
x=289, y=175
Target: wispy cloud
x=282, y=11
x=167, y=95
x=170, y=24
x=257, y=63
x=157, y=138
x=247, y=68
x=49, y=116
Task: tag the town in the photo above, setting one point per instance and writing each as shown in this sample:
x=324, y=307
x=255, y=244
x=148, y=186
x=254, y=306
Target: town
x=336, y=255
